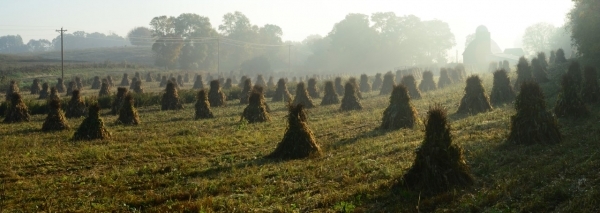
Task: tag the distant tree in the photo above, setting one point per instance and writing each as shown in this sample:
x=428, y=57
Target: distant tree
x=162, y=26
x=352, y=42
x=537, y=38
x=256, y=65
x=561, y=38
x=12, y=44
x=39, y=45
x=140, y=36
x=193, y=29
x=584, y=21
x=167, y=49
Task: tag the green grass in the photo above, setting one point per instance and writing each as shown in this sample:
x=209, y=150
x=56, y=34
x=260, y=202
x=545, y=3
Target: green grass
x=172, y=163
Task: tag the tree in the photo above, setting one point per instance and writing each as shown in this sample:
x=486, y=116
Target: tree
x=584, y=21
x=12, y=44
x=256, y=65
x=537, y=38
x=167, y=49
x=561, y=38
x=39, y=45
x=140, y=36
x=352, y=42
x=194, y=30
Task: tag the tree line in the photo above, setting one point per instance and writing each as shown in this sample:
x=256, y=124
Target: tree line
x=358, y=43
x=72, y=41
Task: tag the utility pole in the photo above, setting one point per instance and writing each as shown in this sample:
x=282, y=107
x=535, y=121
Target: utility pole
x=218, y=54
x=62, y=60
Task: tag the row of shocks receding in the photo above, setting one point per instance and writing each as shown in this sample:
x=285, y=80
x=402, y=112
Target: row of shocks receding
x=439, y=164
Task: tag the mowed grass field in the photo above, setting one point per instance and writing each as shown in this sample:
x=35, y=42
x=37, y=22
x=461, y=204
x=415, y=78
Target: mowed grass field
x=173, y=163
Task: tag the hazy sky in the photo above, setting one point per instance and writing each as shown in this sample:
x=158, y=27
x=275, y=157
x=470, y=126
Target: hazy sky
x=506, y=19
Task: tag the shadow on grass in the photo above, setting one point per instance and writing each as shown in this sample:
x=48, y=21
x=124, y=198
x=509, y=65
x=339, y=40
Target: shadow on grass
x=348, y=141
x=21, y=131
x=215, y=171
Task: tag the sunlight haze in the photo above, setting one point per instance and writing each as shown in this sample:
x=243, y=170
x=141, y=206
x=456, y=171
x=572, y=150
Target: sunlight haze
x=506, y=20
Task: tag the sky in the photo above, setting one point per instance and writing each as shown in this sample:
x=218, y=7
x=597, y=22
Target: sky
x=506, y=19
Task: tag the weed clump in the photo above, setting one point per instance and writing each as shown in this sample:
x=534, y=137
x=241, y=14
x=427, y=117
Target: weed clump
x=76, y=107
x=60, y=86
x=125, y=80
x=400, y=113
x=118, y=101
x=532, y=124
x=364, y=83
x=55, y=121
x=350, y=101
x=35, y=87
x=96, y=83
x=475, y=100
x=590, y=92
x=202, y=106
x=330, y=97
x=439, y=164
x=44, y=91
x=388, y=84
x=524, y=73
x=216, y=97
x=302, y=96
x=377, y=82
x=569, y=104
x=17, y=111
x=502, y=91
x=313, y=91
x=92, y=127
x=411, y=84
x=298, y=140
x=281, y=93
x=338, y=86
x=256, y=111
x=128, y=115
x=444, y=80
x=427, y=84
x=170, y=99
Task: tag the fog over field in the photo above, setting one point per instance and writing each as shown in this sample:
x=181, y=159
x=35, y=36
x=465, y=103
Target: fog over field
x=298, y=19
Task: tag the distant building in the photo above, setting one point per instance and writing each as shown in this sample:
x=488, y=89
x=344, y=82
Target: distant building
x=483, y=50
